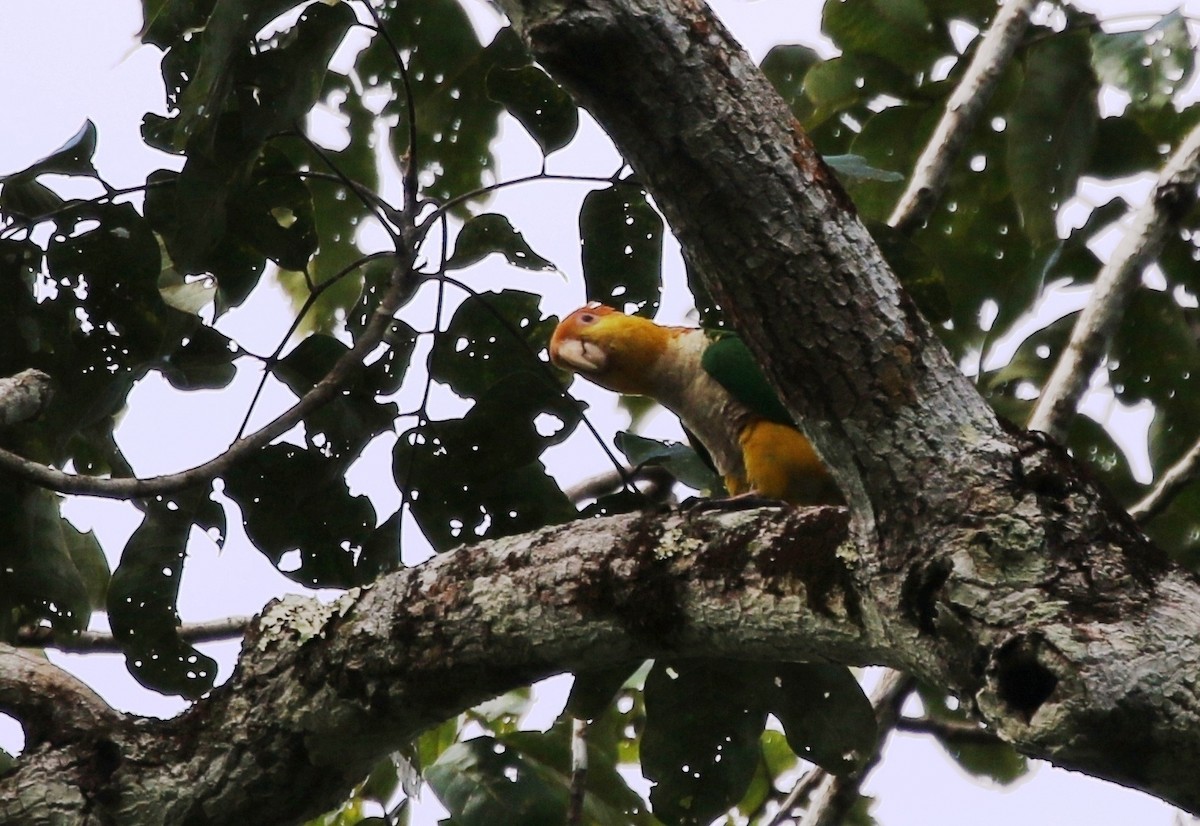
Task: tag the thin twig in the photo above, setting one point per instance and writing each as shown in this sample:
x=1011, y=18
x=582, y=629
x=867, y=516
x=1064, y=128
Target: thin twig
x=966, y=104
x=411, y=203
x=99, y=641
x=611, y=480
x=953, y=731
x=322, y=391
x=579, y=771
x=1168, y=486
x=1172, y=198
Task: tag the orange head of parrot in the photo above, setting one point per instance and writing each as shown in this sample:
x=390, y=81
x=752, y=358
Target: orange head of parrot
x=610, y=348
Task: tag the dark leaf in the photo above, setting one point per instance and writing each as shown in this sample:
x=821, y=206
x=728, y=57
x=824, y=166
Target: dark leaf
x=899, y=31
x=299, y=512
x=483, y=782
x=595, y=688
x=142, y=595
x=825, y=715
x=541, y=105
x=479, y=476
x=786, y=66
x=1051, y=130
x=490, y=337
x=700, y=745
x=622, y=242
x=491, y=232
x=72, y=158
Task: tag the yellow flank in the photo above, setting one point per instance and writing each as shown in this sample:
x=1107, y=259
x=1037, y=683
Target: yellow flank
x=781, y=464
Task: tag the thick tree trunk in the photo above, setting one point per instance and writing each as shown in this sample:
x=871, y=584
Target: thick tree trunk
x=978, y=559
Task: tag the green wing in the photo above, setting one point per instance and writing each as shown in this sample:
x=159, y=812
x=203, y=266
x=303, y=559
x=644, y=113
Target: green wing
x=729, y=361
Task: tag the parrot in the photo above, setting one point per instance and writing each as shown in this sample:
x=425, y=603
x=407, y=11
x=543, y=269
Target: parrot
x=709, y=379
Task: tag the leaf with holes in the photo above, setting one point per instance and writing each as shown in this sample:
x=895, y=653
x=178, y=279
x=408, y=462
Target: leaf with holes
x=825, y=715
x=700, y=745
x=541, y=105
x=1150, y=65
x=142, y=598
x=299, y=512
x=490, y=337
x=491, y=232
x=622, y=243
x=483, y=782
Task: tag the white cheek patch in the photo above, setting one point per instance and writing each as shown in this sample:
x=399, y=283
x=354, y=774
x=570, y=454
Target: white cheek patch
x=581, y=356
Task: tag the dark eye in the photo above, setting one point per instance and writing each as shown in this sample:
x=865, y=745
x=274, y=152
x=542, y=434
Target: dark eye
x=586, y=318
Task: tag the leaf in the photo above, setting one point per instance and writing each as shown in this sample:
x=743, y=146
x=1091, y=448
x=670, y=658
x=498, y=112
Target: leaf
x=622, y=242
x=595, y=688
x=27, y=201
x=491, y=232
x=343, y=426
x=680, y=460
x=1150, y=65
x=142, y=599
x=299, y=512
x=204, y=361
x=700, y=745
x=542, y=106
x=483, y=782
x=900, y=31
x=490, y=337
x=72, y=158
x=825, y=715
x=39, y=576
x=786, y=66
x=1051, y=130
x=479, y=476
x=855, y=167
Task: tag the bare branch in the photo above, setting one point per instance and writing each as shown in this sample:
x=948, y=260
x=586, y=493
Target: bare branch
x=966, y=104
x=24, y=396
x=1168, y=486
x=321, y=392
x=952, y=731
x=225, y=628
x=611, y=480
x=51, y=705
x=1173, y=196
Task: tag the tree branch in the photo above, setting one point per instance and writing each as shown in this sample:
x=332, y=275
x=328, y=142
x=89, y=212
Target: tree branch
x=608, y=481
x=1172, y=481
x=1172, y=198
x=321, y=392
x=98, y=641
x=24, y=396
x=966, y=104
x=51, y=705
x=1075, y=655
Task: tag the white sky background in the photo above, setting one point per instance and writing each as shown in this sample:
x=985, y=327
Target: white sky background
x=66, y=60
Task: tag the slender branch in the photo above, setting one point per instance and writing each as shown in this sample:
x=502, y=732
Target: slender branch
x=24, y=396
x=613, y=479
x=1168, y=486
x=579, y=771
x=51, y=705
x=411, y=204
x=225, y=628
x=1173, y=196
x=321, y=392
x=953, y=731
x=966, y=104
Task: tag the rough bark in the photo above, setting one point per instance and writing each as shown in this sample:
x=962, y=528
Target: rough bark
x=978, y=559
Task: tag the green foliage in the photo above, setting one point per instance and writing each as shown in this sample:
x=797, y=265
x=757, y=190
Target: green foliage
x=101, y=292
x=621, y=241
